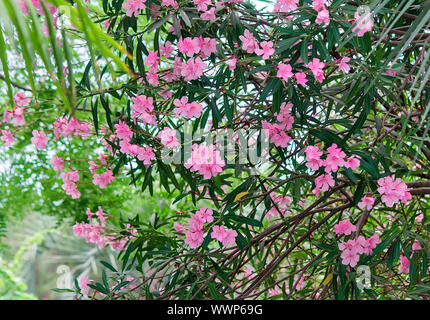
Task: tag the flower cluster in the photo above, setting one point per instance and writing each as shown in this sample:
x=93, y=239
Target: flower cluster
x=353, y=248
x=94, y=231
x=206, y=160
x=277, y=132
x=393, y=191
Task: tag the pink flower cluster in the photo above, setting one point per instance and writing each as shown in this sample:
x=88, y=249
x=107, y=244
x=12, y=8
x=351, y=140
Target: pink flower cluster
x=282, y=204
x=250, y=45
x=187, y=110
x=335, y=159
x=94, y=231
x=277, y=132
x=7, y=137
x=363, y=23
x=194, y=236
x=69, y=183
x=206, y=160
x=285, y=6
x=71, y=127
x=353, y=248
x=132, y=7
x=393, y=191
x=323, y=14
x=316, y=67
x=124, y=133
x=224, y=235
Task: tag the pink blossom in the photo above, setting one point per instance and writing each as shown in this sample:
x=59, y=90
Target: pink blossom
x=146, y=154
x=123, y=131
x=189, y=46
x=83, y=285
x=416, y=246
x=393, y=191
x=344, y=227
x=335, y=159
x=209, y=15
x=152, y=59
x=57, y=163
x=248, y=42
x=366, y=203
x=313, y=157
x=166, y=49
x=224, y=235
x=7, y=137
x=168, y=137
x=102, y=180
x=206, y=160
x=404, y=264
x=319, y=5
x=21, y=100
x=352, y=162
x=316, y=67
x=284, y=71
x=266, y=50
x=186, y=109
x=343, y=65
x=132, y=7
x=205, y=214
x=180, y=228
x=301, y=78
x=285, y=5
x=323, y=17
x=39, y=139
x=193, y=69
x=194, y=239
x=231, y=63
x=363, y=23
x=18, y=117
x=350, y=257
x=207, y=46
x=324, y=182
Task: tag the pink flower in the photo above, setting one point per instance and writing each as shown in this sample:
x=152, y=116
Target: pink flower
x=416, y=246
x=39, y=139
x=180, y=228
x=266, y=49
x=284, y=71
x=132, y=7
x=189, y=46
x=373, y=241
x=352, y=162
x=152, y=59
x=102, y=180
x=193, y=69
x=363, y=23
x=207, y=46
x=205, y=214
x=313, y=157
x=285, y=5
x=57, y=163
x=301, y=78
x=324, y=182
x=18, y=117
x=69, y=183
x=209, y=15
x=21, y=100
x=166, y=49
x=248, y=42
x=123, y=131
x=343, y=65
x=323, y=17
x=206, y=160
x=319, y=5
x=146, y=154
x=194, y=239
x=404, y=264
x=168, y=137
x=350, y=257
x=7, y=137
x=224, y=235
x=335, y=159
x=83, y=285
x=419, y=218
x=273, y=292
x=186, y=109
x=366, y=203
x=316, y=67
x=393, y=191
x=344, y=227
x=231, y=63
